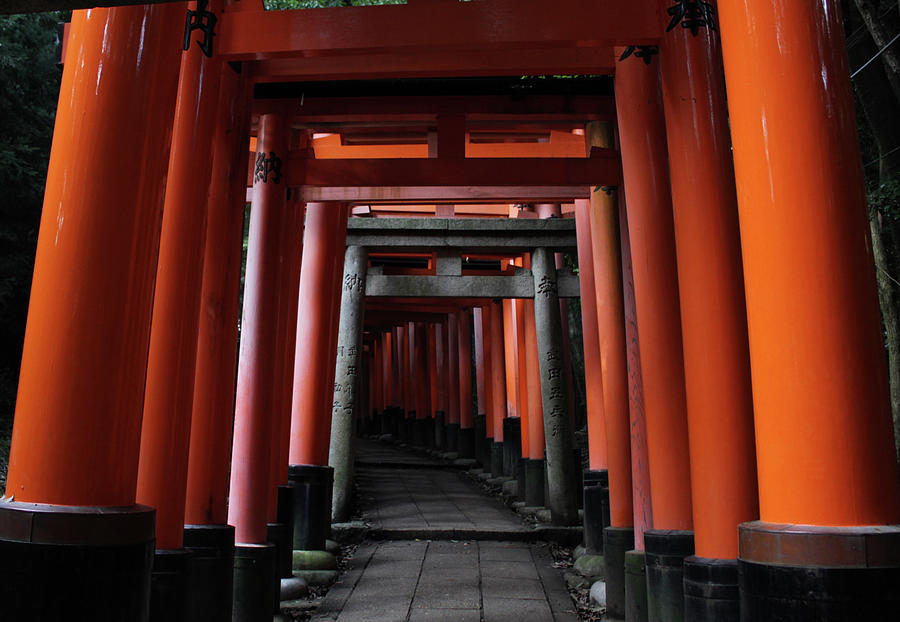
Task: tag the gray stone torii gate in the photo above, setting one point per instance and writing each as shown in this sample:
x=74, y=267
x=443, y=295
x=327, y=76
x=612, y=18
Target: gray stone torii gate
x=450, y=239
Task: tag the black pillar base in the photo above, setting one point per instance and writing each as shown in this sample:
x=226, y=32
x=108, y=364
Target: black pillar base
x=466, y=443
x=482, y=446
x=277, y=535
x=429, y=433
x=419, y=427
x=212, y=571
x=312, y=494
x=596, y=510
x=285, y=515
x=636, y=609
x=169, y=586
x=711, y=590
x=666, y=550
x=497, y=459
x=405, y=426
x=521, y=478
x=535, y=482
x=803, y=573
x=512, y=445
x=451, y=438
x=616, y=541
x=106, y=554
x=440, y=430
x=255, y=582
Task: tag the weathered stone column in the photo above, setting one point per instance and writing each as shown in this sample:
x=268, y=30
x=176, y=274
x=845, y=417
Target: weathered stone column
x=346, y=379
x=554, y=392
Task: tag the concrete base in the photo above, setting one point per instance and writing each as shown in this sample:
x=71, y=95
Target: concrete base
x=711, y=590
x=616, y=541
x=535, y=482
x=813, y=573
x=112, y=548
x=440, y=430
x=596, y=509
x=482, y=445
x=292, y=588
x=312, y=560
x=312, y=492
x=466, y=444
x=497, y=459
x=257, y=587
x=635, y=587
x=592, y=567
x=169, y=586
x=419, y=429
x=666, y=550
x=317, y=578
x=451, y=437
x=212, y=571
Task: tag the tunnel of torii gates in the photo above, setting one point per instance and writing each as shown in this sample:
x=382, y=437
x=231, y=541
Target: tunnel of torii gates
x=740, y=446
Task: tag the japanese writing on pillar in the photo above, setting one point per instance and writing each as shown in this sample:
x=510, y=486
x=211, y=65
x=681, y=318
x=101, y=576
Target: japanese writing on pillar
x=693, y=15
x=267, y=165
x=352, y=281
x=205, y=22
x=556, y=396
x=547, y=286
x=644, y=52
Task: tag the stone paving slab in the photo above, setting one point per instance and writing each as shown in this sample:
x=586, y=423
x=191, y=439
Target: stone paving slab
x=465, y=587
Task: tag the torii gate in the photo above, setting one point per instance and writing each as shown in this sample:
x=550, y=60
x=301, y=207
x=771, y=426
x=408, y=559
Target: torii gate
x=757, y=262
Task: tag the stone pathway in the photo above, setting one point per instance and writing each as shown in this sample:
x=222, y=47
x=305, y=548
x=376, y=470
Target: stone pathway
x=449, y=552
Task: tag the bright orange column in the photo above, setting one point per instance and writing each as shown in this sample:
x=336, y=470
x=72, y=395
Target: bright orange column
x=314, y=357
x=453, y=392
x=464, y=350
x=816, y=349
x=498, y=370
x=509, y=358
x=169, y=392
x=255, y=401
x=81, y=386
x=481, y=385
x=593, y=377
x=213, y=403
x=522, y=369
x=652, y=236
x=433, y=368
x=713, y=318
x=291, y=252
x=536, y=447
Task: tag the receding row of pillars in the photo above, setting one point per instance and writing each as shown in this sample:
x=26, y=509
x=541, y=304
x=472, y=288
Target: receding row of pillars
x=744, y=428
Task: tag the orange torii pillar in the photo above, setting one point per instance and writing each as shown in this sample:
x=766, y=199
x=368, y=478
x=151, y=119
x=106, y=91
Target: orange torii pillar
x=713, y=316
x=483, y=431
x=423, y=384
x=596, y=489
x=390, y=384
x=437, y=381
x=535, y=477
x=512, y=424
x=206, y=532
x=169, y=390
x=497, y=378
x=418, y=385
x=256, y=576
x=823, y=427
x=408, y=408
x=452, y=375
x=313, y=385
x=652, y=237
x=70, y=494
x=463, y=376
x=280, y=515
x=635, y=575
x=522, y=380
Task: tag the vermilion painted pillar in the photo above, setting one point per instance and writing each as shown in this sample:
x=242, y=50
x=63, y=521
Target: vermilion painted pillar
x=509, y=359
x=497, y=376
x=206, y=533
x=652, y=237
x=248, y=495
x=535, y=467
x=823, y=429
x=714, y=328
x=169, y=391
x=482, y=319
x=521, y=370
x=436, y=384
x=420, y=382
x=78, y=411
x=314, y=362
x=466, y=447
x=452, y=375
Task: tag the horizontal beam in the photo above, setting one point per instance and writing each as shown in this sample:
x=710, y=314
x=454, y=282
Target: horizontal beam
x=490, y=235
x=477, y=107
x=601, y=170
x=40, y=6
x=521, y=285
x=442, y=194
x=448, y=26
